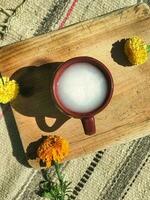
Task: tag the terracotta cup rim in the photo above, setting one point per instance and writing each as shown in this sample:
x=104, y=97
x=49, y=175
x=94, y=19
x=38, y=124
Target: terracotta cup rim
x=97, y=64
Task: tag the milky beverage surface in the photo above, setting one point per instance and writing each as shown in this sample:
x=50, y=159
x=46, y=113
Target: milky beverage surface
x=82, y=87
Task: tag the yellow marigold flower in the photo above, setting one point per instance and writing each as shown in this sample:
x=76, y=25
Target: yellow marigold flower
x=53, y=148
x=9, y=90
x=136, y=50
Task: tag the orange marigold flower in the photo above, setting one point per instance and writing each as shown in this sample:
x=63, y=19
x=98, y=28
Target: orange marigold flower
x=53, y=148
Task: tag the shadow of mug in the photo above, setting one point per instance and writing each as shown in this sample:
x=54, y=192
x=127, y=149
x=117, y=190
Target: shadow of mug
x=35, y=98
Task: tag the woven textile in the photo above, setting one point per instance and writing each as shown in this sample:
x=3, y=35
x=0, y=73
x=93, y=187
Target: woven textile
x=117, y=173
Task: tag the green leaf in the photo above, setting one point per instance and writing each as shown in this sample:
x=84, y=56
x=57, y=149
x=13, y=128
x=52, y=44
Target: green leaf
x=68, y=183
x=148, y=48
x=47, y=195
x=58, y=190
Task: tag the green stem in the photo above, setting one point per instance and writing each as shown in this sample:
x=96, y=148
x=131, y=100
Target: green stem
x=148, y=48
x=57, y=168
x=60, y=178
x=2, y=78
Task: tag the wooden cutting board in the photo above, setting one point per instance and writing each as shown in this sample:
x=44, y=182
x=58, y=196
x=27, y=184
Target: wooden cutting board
x=127, y=116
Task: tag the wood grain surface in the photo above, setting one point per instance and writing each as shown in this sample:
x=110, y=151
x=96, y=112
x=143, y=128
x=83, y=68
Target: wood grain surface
x=33, y=62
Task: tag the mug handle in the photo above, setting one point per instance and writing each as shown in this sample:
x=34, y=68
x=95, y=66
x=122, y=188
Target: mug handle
x=89, y=125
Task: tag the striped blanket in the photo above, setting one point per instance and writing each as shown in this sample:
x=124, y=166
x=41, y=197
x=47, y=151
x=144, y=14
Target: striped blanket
x=117, y=173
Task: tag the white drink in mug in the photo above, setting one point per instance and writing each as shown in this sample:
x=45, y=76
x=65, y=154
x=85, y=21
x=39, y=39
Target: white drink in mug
x=82, y=87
